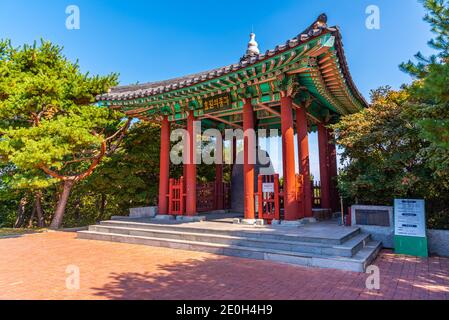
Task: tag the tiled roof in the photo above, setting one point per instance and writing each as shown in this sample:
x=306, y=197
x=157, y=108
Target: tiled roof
x=154, y=88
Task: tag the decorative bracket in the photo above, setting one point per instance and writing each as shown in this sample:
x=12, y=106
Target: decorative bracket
x=247, y=92
x=289, y=86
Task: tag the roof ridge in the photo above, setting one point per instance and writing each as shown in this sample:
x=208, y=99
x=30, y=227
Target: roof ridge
x=160, y=83
x=315, y=29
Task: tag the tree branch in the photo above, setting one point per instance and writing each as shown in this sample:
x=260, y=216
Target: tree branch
x=95, y=161
x=122, y=133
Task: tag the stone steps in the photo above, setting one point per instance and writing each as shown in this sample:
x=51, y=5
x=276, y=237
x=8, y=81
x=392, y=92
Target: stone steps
x=358, y=263
x=347, y=250
x=354, y=251
x=280, y=234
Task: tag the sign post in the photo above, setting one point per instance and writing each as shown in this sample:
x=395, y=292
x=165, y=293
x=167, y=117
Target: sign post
x=410, y=228
x=268, y=187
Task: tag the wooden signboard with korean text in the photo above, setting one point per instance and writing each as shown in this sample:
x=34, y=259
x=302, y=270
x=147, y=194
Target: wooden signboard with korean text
x=217, y=103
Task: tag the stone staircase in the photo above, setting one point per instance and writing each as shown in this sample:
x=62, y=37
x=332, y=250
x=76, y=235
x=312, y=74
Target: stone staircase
x=324, y=246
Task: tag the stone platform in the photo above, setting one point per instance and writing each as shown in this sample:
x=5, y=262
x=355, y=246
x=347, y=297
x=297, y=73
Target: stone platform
x=324, y=245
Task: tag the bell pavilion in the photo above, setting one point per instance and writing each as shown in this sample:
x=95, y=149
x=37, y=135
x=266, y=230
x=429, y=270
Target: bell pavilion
x=297, y=87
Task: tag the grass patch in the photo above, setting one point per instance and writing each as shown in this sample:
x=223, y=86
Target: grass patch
x=5, y=232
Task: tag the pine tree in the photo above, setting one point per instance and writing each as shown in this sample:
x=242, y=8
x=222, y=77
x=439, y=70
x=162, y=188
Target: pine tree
x=430, y=91
x=51, y=130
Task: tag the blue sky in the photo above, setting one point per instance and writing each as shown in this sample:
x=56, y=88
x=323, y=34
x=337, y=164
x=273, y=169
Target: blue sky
x=155, y=40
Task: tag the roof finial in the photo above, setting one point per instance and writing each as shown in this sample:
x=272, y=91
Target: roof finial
x=253, y=47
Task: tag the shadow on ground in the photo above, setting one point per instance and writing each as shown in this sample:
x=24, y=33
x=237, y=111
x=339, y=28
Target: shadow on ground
x=224, y=278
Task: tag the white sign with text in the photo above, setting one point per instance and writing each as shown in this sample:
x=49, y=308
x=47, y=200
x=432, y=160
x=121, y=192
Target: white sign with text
x=268, y=188
x=410, y=218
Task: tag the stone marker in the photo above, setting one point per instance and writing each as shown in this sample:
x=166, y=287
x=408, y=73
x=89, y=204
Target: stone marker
x=146, y=212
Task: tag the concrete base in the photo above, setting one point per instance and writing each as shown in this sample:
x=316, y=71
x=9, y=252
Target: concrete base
x=118, y=218
x=308, y=220
x=296, y=223
x=438, y=239
x=249, y=222
x=190, y=218
x=439, y=242
x=146, y=212
x=163, y=217
x=381, y=234
x=281, y=223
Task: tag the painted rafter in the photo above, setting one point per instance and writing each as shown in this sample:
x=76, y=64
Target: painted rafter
x=324, y=91
x=266, y=108
x=311, y=117
x=337, y=83
x=229, y=123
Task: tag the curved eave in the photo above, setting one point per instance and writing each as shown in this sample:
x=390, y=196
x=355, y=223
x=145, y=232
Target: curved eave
x=345, y=68
x=126, y=93
x=328, y=79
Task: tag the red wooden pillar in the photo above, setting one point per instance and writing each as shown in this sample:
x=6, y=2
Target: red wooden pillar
x=190, y=169
x=186, y=156
x=323, y=143
x=219, y=201
x=164, y=167
x=249, y=161
x=219, y=190
x=170, y=195
x=304, y=160
x=291, y=207
x=333, y=172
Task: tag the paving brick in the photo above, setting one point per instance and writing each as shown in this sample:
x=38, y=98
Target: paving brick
x=34, y=267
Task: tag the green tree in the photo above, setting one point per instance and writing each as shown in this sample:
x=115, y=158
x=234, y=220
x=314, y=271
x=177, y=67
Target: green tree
x=382, y=151
x=386, y=157
x=9, y=199
x=430, y=92
x=399, y=146
x=50, y=128
x=130, y=178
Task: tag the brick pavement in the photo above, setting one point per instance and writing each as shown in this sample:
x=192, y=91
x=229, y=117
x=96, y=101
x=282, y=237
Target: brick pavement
x=34, y=267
